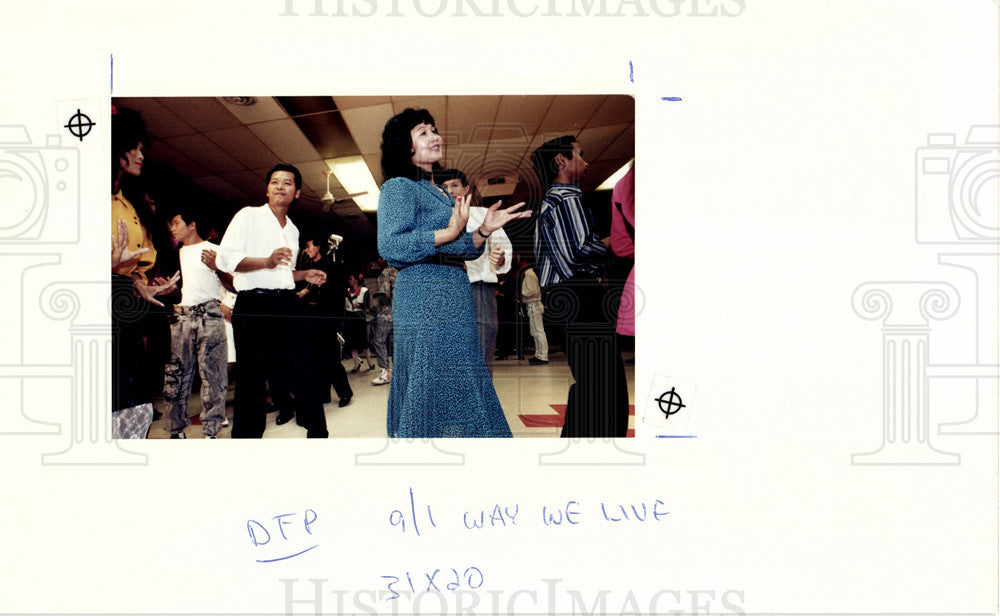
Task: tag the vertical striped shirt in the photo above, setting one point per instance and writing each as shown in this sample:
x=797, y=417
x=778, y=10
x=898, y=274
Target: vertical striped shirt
x=565, y=242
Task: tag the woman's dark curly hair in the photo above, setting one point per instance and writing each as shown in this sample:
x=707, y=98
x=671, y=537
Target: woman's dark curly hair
x=397, y=146
x=127, y=132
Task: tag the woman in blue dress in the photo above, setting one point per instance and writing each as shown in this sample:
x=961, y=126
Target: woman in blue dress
x=440, y=385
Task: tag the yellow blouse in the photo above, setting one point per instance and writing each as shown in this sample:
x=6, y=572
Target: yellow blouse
x=135, y=267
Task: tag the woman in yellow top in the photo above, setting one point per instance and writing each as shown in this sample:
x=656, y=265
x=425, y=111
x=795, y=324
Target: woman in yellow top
x=132, y=255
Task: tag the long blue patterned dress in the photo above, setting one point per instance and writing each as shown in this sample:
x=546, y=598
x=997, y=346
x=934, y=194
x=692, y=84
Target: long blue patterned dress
x=440, y=385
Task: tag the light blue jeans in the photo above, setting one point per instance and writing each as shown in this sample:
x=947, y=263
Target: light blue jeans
x=197, y=340
x=382, y=340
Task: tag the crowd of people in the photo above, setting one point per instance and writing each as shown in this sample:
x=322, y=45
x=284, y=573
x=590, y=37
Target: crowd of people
x=272, y=309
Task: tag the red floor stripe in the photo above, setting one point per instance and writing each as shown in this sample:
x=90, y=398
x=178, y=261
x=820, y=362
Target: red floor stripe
x=549, y=420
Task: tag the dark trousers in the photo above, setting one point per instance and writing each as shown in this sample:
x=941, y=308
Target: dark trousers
x=326, y=346
x=585, y=312
x=132, y=376
x=272, y=345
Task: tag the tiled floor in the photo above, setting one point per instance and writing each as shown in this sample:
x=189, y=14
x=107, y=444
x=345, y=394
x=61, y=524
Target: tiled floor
x=532, y=398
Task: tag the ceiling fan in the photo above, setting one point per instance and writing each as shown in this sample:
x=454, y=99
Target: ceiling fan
x=329, y=200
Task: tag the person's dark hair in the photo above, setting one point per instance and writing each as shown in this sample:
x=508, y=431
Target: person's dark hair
x=544, y=158
x=191, y=213
x=450, y=174
x=287, y=167
x=442, y=176
x=127, y=132
x=397, y=146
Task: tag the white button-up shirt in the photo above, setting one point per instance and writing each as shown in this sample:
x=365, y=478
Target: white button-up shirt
x=479, y=269
x=255, y=232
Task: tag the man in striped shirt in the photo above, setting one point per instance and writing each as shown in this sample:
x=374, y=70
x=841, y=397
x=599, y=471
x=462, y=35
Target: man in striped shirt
x=570, y=259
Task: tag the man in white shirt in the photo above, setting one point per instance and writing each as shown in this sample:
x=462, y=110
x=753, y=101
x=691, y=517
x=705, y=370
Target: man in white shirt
x=483, y=270
x=258, y=249
x=197, y=334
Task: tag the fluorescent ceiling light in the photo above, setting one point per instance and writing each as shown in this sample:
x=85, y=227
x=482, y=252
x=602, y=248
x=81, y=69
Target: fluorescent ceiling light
x=353, y=174
x=609, y=183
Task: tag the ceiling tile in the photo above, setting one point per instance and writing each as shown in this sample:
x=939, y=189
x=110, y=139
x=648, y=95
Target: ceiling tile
x=623, y=146
x=164, y=153
x=616, y=109
x=328, y=134
x=495, y=164
x=524, y=111
x=313, y=176
x=472, y=117
x=160, y=121
x=265, y=109
x=318, y=179
x=248, y=182
x=374, y=162
x=513, y=150
x=303, y=105
x=365, y=125
x=202, y=151
x=595, y=141
x=570, y=113
x=243, y=145
x=285, y=139
x=202, y=113
x=352, y=102
x=335, y=186
x=508, y=131
x=261, y=172
x=219, y=187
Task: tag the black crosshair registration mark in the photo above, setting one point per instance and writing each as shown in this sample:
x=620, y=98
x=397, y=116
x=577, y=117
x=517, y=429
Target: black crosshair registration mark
x=671, y=399
x=79, y=125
